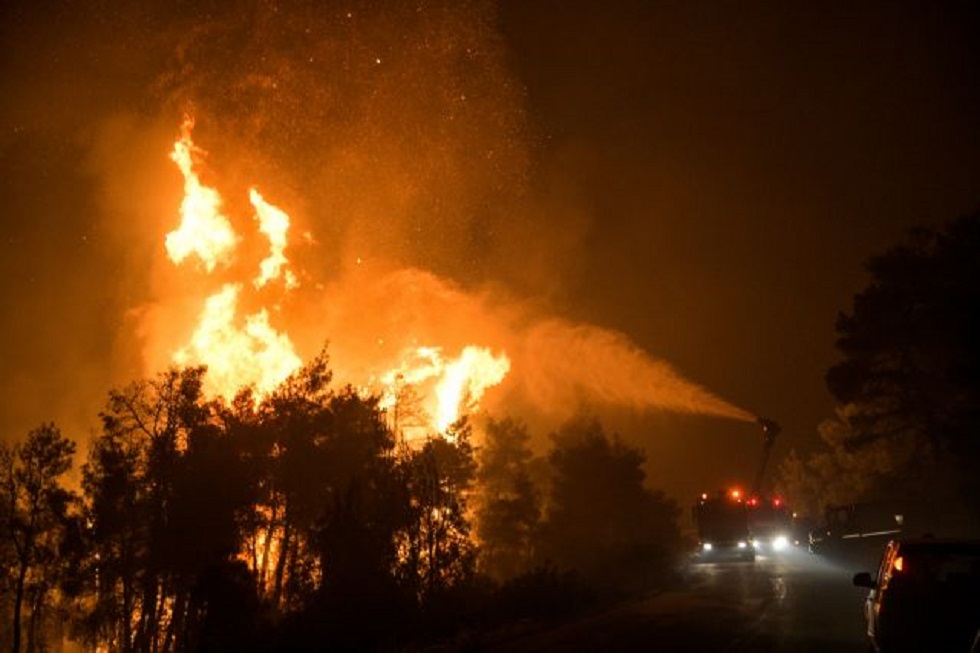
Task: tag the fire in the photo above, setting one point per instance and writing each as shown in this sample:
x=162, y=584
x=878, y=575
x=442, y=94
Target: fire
x=457, y=384
x=256, y=355
x=247, y=350
x=464, y=381
x=274, y=223
x=203, y=230
x=238, y=352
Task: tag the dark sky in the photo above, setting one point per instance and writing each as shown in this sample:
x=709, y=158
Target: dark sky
x=740, y=162
x=706, y=178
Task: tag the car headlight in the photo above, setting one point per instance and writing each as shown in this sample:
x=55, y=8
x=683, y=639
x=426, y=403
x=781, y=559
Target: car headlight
x=780, y=542
x=742, y=545
x=706, y=546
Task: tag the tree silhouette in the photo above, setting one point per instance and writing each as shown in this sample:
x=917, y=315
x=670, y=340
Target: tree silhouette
x=601, y=520
x=293, y=422
x=437, y=553
x=507, y=508
x=911, y=357
x=140, y=496
x=33, y=518
x=909, y=381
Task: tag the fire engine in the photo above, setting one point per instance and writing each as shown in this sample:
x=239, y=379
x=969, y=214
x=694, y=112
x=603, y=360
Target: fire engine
x=723, y=527
x=735, y=525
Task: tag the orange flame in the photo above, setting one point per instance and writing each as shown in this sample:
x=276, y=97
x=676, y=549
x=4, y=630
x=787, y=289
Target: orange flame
x=255, y=355
x=457, y=385
x=464, y=381
x=274, y=223
x=238, y=352
x=203, y=229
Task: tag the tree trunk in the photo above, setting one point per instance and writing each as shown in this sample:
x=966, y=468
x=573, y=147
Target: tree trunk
x=127, y=613
x=18, y=603
x=269, y=535
x=281, y=562
x=146, y=630
x=37, y=610
x=174, y=640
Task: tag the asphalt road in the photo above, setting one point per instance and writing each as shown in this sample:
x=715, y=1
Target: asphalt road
x=791, y=601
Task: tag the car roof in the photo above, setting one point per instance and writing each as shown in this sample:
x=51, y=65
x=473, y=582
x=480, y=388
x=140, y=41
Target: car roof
x=936, y=543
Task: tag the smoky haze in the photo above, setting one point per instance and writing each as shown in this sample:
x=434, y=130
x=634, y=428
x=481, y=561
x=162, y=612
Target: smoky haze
x=558, y=367
x=398, y=141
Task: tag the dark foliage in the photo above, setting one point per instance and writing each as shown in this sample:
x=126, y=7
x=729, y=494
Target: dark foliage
x=602, y=521
x=34, y=529
x=293, y=522
x=908, y=388
x=508, y=508
x=911, y=366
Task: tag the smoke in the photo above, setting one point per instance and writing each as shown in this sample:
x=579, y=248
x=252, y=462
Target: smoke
x=394, y=133
x=373, y=315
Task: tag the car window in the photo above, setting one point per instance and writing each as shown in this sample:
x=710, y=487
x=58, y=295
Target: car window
x=942, y=566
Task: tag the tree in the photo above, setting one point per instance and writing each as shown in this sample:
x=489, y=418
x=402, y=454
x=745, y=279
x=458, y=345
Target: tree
x=153, y=473
x=366, y=505
x=437, y=553
x=601, y=520
x=34, y=513
x=508, y=507
x=841, y=473
x=908, y=383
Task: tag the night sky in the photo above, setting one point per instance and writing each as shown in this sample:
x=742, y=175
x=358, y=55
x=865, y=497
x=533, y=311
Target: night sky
x=706, y=178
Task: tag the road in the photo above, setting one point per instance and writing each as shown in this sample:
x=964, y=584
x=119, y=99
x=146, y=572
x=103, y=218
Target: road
x=791, y=601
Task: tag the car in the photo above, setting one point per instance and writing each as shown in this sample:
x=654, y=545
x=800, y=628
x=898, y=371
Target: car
x=925, y=596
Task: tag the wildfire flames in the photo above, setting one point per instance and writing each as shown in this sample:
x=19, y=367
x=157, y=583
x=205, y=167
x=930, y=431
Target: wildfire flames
x=402, y=334
x=246, y=349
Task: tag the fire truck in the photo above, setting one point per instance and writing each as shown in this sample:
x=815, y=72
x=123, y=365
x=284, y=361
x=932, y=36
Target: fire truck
x=733, y=525
x=770, y=522
x=723, y=527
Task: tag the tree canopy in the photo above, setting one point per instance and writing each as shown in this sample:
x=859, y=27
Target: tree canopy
x=908, y=384
x=298, y=521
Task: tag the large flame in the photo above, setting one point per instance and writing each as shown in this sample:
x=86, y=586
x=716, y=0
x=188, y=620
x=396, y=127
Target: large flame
x=203, y=230
x=253, y=354
x=464, y=381
x=456, y=385
x=238, y=351
x=274, y=223
x=381, y=317
x=246, y=350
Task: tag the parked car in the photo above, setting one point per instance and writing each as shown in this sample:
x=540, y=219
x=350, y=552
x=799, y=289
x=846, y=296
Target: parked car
x=925, y=597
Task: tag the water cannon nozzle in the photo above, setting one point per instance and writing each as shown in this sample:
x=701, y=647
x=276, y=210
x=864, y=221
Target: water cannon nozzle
x=770, y=429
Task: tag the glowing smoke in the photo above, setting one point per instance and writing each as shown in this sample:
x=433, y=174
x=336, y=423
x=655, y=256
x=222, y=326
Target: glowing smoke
x=556, y=366
x=397, y=137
